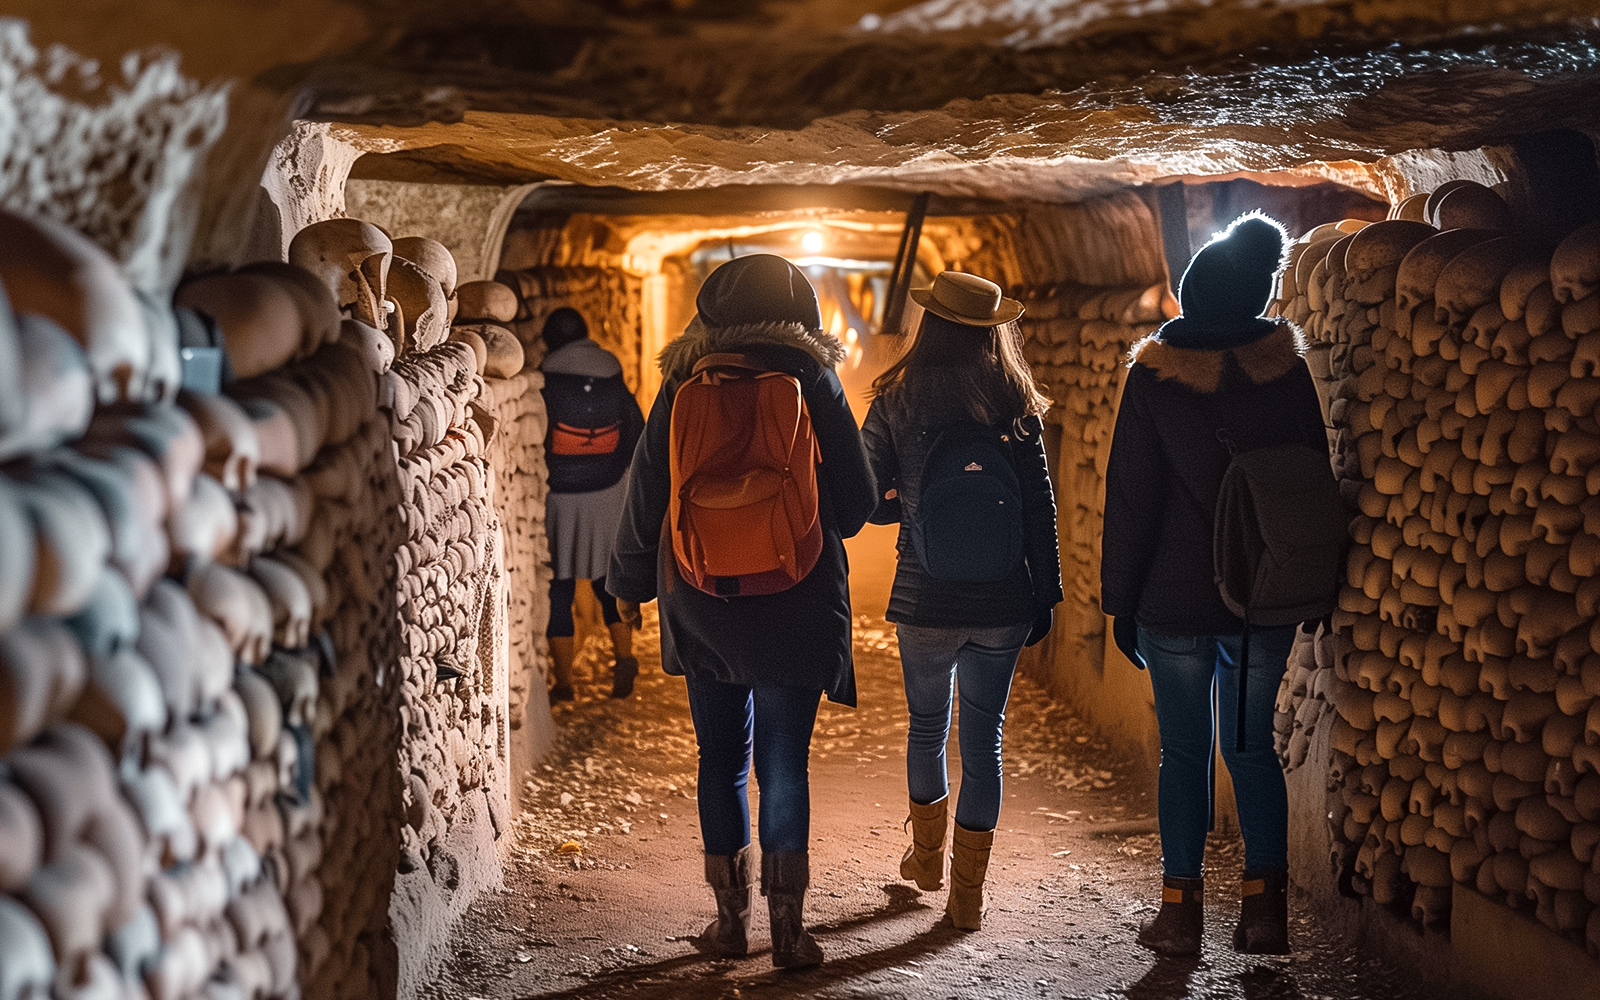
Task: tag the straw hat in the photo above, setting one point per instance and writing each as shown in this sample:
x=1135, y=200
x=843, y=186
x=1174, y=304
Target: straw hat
x=967, y=298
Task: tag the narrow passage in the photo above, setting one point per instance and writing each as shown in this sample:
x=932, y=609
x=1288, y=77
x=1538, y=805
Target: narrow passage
x=604, y=889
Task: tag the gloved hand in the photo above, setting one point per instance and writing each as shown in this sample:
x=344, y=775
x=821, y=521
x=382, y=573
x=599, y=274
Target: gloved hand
x=1125, y=633
x=629, y=613
x=1044, y=615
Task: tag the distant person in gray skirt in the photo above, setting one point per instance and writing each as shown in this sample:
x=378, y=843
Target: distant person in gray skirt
x=594, y=424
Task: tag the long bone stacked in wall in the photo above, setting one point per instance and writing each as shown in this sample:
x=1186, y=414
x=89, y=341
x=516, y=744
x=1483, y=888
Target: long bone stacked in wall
x=1460, y=359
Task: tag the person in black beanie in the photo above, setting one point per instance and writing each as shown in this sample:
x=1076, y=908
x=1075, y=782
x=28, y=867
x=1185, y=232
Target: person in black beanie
x=1220, y=371
x=756, y=665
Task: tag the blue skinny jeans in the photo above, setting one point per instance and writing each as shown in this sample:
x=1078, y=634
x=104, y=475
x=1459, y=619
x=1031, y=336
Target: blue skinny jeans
x=1190, y=675
x=979, y=663
x=732, y=722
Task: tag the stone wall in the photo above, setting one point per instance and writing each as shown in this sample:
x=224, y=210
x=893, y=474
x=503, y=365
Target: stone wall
x=1457, y=353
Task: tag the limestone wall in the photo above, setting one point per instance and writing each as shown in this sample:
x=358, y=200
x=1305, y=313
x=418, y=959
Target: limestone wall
x=1457, y=351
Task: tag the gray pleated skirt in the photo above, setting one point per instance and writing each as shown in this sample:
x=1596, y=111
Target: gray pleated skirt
x=582, y=527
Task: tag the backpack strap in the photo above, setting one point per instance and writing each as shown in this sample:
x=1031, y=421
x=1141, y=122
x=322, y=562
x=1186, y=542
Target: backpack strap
x=726, y=360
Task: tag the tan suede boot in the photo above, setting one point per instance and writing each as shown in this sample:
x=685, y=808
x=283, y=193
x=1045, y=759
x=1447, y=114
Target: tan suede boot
x=969, y=863
x=923, y=862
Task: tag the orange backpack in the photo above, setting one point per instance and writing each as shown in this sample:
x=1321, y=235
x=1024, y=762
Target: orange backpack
x=744, y=515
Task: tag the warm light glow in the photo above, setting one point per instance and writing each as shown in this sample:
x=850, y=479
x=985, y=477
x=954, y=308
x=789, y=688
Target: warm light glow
x=811, y=242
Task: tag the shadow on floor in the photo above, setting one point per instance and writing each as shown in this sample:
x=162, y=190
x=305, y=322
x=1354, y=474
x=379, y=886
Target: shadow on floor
x=642, y=980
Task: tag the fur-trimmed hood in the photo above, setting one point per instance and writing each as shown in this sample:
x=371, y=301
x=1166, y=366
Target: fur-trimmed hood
x=1262, y=361
x=678, y=358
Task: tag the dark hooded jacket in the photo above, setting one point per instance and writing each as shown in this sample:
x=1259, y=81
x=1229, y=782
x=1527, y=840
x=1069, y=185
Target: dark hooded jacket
x=1167, y=461
x=899, y=433
x=799, y=637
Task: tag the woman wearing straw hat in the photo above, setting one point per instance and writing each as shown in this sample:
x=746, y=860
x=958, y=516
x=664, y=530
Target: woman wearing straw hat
x=955, y=438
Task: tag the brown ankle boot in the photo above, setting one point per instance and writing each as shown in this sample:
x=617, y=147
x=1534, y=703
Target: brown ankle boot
x=784, y=878
x=969, y=864
x=923, y=862
x=1177, y=929
x=1263, y=914
x=729, y=878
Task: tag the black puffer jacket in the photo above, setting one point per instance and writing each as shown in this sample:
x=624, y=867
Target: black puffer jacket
x=1166, y=467
x=799, y=637
x=898, y=436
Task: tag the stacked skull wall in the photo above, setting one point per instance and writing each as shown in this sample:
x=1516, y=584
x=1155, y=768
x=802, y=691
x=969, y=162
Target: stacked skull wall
x=1077, y=337
x=454, y=385
x=155, y=796
x=1458, y=356
x=512, y=416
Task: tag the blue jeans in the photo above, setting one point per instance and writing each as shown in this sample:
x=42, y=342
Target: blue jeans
x=1187, y=673
x=980, y=661
x=729, y=722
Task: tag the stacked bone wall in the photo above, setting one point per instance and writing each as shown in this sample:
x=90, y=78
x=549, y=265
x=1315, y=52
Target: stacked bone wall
x=609, y=299
x=454, y=749
x=516, y=460
x=1077, y=337
x=159, y=650
x=1458, y=359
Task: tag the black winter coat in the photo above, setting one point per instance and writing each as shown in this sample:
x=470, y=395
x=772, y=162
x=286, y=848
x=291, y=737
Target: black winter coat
x=1166, y=468
x=799, y=637
x=898, y=435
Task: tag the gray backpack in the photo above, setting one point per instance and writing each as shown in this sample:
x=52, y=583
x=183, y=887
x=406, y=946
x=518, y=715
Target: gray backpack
x=1278, y=541
x=1280, y=535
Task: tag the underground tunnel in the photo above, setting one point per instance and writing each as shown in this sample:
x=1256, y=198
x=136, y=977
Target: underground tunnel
x=275, y=682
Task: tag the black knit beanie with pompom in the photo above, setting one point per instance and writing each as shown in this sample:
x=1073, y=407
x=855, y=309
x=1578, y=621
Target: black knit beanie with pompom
x=1228, y=284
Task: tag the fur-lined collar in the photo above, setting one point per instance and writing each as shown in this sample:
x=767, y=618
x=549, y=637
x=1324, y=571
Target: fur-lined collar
x=698, y=340
x=1271, y=357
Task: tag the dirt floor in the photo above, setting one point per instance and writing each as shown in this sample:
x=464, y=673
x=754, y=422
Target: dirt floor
x=604, y=888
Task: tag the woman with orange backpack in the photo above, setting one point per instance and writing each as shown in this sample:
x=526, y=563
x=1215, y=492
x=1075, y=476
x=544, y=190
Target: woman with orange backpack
x=956, y=445
x=749, y=476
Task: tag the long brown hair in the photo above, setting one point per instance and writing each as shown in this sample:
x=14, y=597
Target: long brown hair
x=981, y=367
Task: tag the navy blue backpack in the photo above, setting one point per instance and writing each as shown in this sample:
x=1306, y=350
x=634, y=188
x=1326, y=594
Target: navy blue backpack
x=969, y=526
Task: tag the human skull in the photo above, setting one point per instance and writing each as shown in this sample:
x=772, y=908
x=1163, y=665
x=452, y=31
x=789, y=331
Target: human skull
x=351, y=258
x=258, y=316
x=238, y=605
x=434, y=258
x=55, y=271
x=424, y=312
x=291, y=602
x=232, y=448
x=319, y=313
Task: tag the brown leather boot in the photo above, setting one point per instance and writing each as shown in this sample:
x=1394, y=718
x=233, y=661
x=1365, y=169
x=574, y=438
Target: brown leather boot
x=923, y=862
x=1177, y=929
x=969, y=864
x=784, y=878
x=1263, y=914
x=729, y=878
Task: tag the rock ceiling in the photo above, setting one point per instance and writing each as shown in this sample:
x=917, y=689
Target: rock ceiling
x=1048, y=99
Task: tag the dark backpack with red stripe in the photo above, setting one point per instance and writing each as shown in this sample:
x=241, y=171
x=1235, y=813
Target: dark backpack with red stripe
x=584, y=447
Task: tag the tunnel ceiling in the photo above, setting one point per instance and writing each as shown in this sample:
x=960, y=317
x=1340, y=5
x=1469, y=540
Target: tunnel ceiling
x=1051, y=99
x=1013, y=99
